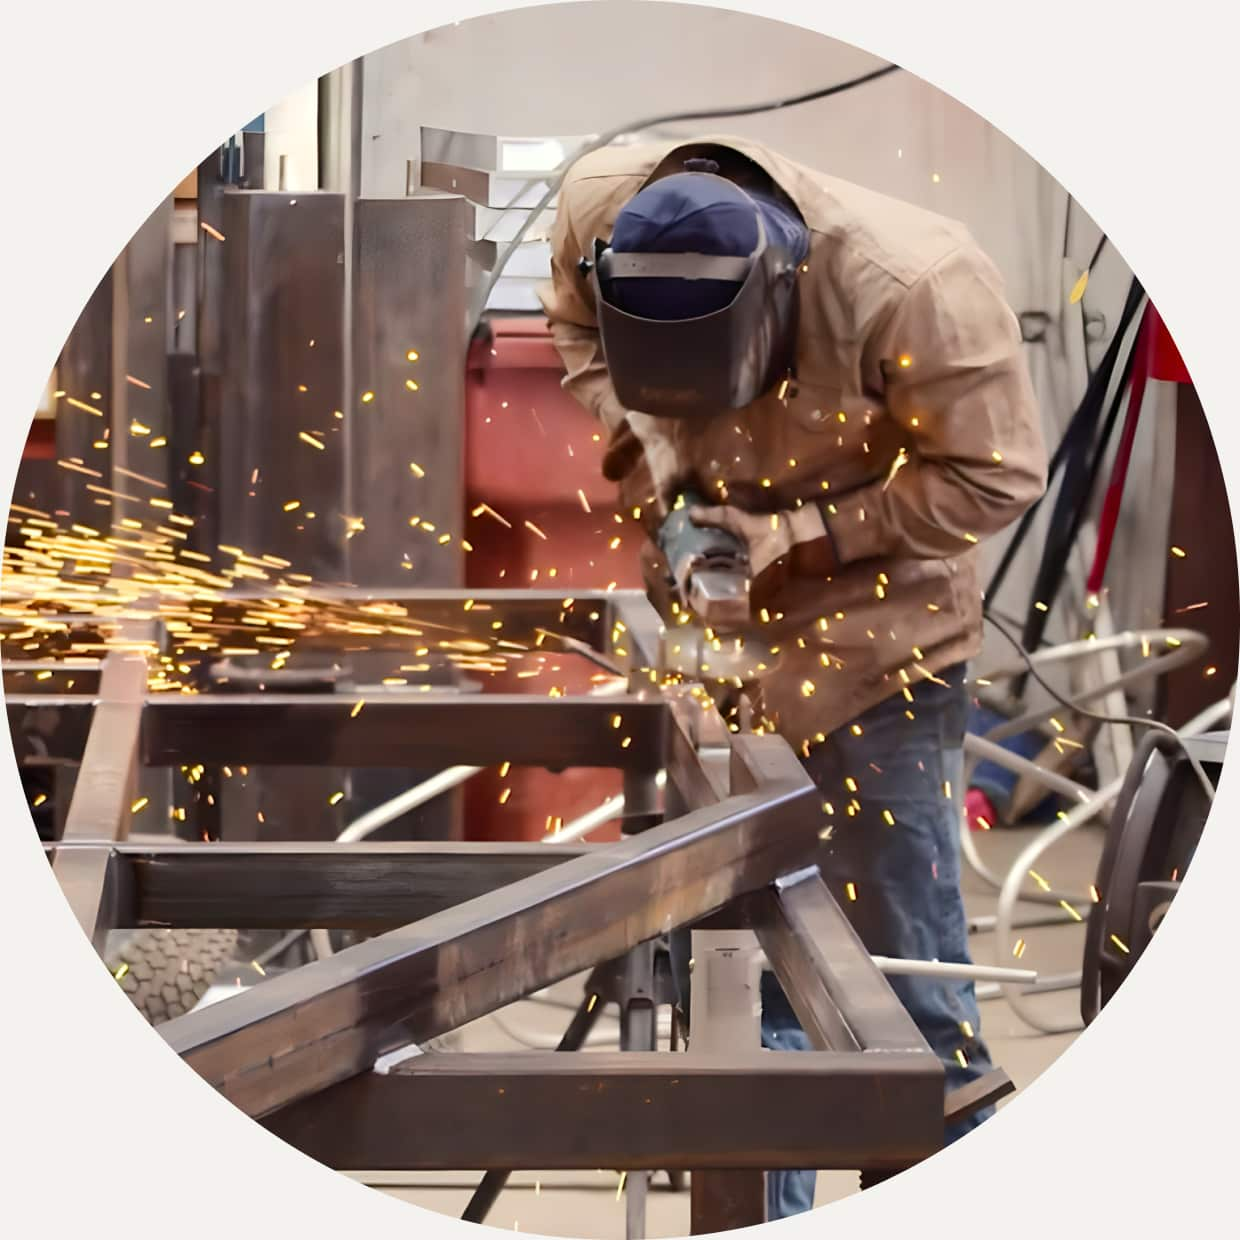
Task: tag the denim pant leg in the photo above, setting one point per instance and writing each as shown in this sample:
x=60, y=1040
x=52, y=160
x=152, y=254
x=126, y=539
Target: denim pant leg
x=894, y=802
x=788, y=1192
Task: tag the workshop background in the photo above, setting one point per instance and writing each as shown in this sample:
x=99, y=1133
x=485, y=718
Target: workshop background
x=349, y=326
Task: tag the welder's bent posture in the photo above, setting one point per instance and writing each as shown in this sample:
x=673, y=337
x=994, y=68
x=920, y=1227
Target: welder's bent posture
x=838, y=374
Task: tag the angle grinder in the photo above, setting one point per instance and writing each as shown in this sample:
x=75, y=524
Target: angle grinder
x=709, y=567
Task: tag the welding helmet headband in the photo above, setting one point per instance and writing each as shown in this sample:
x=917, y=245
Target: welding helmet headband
x=698, y=366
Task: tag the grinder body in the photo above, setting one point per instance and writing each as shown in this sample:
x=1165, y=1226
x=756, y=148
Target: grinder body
x=709, y=566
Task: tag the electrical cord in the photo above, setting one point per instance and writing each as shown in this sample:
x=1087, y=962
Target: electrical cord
x=595, y=144
x=1122, y=720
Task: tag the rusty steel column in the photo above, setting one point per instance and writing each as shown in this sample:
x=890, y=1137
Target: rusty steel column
x=103, y=799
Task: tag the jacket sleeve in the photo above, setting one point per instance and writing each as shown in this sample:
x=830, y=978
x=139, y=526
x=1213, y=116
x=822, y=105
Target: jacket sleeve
x=957, y=382
x=569, y=305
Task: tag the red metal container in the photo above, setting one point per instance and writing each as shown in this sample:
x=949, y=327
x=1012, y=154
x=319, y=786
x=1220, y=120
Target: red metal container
x=534, y=459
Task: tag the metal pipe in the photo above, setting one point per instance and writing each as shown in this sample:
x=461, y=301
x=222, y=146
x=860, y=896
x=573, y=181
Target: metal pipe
x=946, y=970
x=414, y=797
x=989, y=751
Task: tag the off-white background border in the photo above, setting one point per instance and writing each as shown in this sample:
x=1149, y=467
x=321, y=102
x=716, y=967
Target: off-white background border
x=1131, y=106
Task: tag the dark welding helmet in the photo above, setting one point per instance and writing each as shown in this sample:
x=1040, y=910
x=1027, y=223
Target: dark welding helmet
x=696, y=295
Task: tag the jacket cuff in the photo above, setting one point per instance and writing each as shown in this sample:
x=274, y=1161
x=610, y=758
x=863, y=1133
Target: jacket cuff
x=854, y=525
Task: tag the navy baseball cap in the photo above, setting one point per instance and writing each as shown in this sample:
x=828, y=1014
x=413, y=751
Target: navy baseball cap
x=698, y=213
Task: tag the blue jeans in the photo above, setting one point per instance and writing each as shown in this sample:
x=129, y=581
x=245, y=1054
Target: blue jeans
x=906, y=878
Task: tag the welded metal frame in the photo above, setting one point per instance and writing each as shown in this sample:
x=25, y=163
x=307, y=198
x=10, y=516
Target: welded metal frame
x=464, y=929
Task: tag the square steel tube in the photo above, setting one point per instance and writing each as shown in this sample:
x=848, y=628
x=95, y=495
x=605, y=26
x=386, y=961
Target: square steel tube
x=628, y=1110
x=425, y=731
x=103, y=797
x=281, y=358
x=408, y=311
x=303, y=1031
x=370, y=887
x=268, y=729
x=841, y=999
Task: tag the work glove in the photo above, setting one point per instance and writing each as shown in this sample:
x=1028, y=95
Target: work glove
x=780, y=545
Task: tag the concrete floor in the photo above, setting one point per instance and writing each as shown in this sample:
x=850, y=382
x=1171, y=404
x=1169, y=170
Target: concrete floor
x=587, y=1205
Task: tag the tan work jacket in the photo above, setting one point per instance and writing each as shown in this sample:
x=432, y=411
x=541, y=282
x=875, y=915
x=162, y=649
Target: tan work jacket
x=912, y=420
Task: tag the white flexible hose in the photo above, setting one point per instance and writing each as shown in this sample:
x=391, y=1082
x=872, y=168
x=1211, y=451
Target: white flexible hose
x=1009, y=893
x=389, y=811
x=1182, y=646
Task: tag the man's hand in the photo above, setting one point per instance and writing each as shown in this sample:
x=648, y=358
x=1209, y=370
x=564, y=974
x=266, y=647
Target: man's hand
x=781, y=544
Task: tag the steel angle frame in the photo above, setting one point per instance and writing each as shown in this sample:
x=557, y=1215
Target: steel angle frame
x=464, y=929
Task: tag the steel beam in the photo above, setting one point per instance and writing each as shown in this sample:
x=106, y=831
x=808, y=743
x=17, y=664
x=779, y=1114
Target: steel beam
x=839, y=996
x=625, y=1111
x=727, y=1200
x=281, y=348
x=284, y=886
x=407, y=443
x=306, y=1030
x=103, y=798
x=423, y=731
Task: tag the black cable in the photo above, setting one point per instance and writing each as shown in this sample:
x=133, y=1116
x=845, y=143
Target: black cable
x=1071, y=507
x=1085, y=341
x=751, y=109
x=1123, y=720
x=1075, y=439
x=557, y=178
x=1093, y=262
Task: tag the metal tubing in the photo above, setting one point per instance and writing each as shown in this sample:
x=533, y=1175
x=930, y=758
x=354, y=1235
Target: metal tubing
x=946, y=970
x=330, y=1020
x=427, y=730
x=284, y=886
x=837, y=992
x=625, y=1111
x=979, y=747
x=427, y=790
x=103, y=802
x=638, y=1032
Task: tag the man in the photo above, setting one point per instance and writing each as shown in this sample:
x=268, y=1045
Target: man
x=839, y=375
